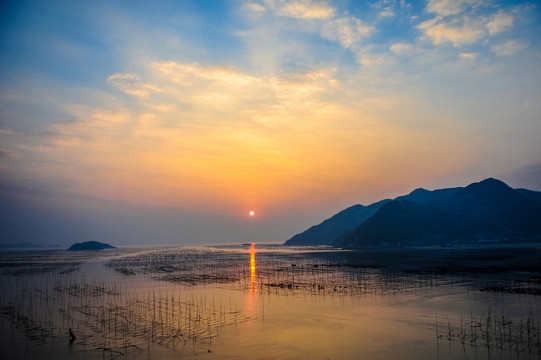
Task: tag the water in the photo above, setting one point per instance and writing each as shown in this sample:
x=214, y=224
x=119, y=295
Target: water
x=269, y=302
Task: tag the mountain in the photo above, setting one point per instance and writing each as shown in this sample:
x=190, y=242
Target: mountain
x=422, y=196
x=347, y=220
x=330, y=229
x=489, y=210
x=397, y=222
x=90, y=245
x=532, y=195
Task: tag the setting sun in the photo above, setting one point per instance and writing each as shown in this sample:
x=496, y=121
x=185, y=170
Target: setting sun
x=252, y=213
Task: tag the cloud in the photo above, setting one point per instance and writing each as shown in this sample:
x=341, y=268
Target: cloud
x=250, y=6
x=186, y=74
x=219, y=135
x=246, y=135
x=509, y=48
x=499, y=22
x=347, y=31
x=131, y=84
x=301, y=9
x=463, y=22
x=459, y=31
x=402, y=49
x=450, y=7
x=109, y=116
x=212, y=86
x=6, y=132
x=367, y=58
x=387, y=12
x=469, y=56
x=389, y=8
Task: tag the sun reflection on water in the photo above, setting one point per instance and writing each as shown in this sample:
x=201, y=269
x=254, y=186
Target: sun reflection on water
x=252, y=252
x=251, y=295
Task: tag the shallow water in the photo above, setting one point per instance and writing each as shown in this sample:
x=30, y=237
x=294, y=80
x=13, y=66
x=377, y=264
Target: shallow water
x=266, y=303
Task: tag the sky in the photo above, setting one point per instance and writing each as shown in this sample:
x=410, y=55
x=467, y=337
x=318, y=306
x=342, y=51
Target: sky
x=166, y=122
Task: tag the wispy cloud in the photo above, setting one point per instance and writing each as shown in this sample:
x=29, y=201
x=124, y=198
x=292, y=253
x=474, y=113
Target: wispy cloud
x=255, y=7
x=464, y=22
x=499, y=22
x=131, y=84
x=451, y=7
x=247, y=136
x=320, y=17
x=347, y=31
x=301, y=9
x=509, y=48
x=469, y=56
x=369, y=59
x=387, y=12
x=247, y=130
x=459, y=31
x=402, y=49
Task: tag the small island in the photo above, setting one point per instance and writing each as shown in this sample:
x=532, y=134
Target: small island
x=90, y=245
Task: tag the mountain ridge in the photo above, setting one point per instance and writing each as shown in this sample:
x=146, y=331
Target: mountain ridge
x=490, y=202
x=345, y=220
x=486, y=211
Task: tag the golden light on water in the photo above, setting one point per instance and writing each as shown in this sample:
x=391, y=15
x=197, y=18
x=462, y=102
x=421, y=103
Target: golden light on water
x=252, y=263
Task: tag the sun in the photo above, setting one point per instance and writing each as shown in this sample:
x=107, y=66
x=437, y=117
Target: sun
x=252, y=213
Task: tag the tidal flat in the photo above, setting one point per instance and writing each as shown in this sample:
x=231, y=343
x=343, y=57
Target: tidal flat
x=272, y=302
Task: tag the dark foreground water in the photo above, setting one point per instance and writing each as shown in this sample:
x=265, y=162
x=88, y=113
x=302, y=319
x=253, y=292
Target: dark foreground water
x=272, y=302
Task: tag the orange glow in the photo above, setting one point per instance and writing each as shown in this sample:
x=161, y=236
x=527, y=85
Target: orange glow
x=252, y=263
x=252, y=213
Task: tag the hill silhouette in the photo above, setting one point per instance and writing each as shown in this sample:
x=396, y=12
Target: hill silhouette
x=330, y=229
x=423, y=196
x=349, y=219
x=489, y=210
x=90, y=245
